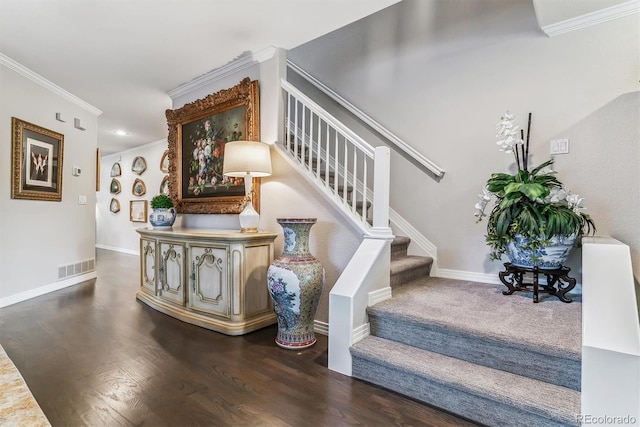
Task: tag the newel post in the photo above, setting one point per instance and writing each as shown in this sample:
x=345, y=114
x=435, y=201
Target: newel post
x=381, y=184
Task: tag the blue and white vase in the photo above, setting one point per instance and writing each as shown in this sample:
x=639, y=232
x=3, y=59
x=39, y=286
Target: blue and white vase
x=162, y=218
x=550, y=257
x=295, y=281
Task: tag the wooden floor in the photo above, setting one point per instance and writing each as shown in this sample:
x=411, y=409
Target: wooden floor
x=93, y=355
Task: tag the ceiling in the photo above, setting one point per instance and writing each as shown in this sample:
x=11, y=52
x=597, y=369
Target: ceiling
x=124, y=56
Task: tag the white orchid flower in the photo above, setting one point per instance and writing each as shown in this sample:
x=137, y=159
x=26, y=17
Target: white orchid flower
x=575, y=203
x=509, y=133
x=556, y=195
x=484, y=198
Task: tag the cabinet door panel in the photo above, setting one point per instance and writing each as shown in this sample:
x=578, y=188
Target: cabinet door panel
x=172, y=272
x=256, y=293
x=209, y=280
x=148, y=265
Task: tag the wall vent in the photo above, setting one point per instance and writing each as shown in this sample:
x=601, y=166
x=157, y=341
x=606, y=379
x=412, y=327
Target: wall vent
x=75, y=269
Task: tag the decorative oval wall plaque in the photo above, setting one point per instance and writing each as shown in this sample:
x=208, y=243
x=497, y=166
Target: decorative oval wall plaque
x=164, y=162
x=139, y=165
x=115, y=188
x=116, y=170
x=114, y=206
x=138, y=188
x=164, y=186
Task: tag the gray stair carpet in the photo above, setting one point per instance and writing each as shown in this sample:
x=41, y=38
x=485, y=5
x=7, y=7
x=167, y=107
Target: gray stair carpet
x=467, y=348
x=475, y=322
x=485, y=395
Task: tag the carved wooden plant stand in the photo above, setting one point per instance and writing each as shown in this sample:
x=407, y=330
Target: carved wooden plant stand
x=558, y=281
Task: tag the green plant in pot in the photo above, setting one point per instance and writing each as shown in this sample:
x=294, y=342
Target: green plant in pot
x=163, y=214
x=535, y=220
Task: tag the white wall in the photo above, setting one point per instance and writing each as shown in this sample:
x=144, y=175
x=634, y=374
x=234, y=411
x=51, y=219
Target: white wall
x=37, y=237
x=439, y=74
x=115, y=231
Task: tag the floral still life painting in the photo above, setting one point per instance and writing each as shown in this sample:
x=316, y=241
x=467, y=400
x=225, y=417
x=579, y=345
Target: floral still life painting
x=198, y=133
x=205, y=140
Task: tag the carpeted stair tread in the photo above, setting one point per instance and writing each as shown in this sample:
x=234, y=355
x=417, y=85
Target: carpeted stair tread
x=548, y=327
x=399, y=247
x=483, y=394
x=406, y=269
x=410, y=262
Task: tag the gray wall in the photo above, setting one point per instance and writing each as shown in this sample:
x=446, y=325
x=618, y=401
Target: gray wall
x=37, y=237
x=439, y=74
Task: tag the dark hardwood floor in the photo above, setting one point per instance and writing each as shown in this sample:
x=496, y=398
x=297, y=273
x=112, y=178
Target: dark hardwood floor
x=93, y=355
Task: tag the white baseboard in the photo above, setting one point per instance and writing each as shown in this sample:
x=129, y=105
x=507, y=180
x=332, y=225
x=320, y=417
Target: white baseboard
x=113, y=248
x=360, y=333
x=471, y=276
x=321, y=327
x=379, y=295
x=42, y=290
x=484, y=277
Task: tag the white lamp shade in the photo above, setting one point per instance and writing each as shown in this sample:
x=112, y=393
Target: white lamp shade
x=246, y=157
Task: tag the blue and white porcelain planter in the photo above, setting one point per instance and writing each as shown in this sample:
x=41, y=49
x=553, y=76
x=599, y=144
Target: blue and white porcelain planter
x=295, y=281
x=549, y=257
x=162, y=218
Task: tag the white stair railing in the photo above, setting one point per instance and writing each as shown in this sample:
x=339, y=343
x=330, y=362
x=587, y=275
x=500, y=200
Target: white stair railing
x=354, y=175
x=340, y=163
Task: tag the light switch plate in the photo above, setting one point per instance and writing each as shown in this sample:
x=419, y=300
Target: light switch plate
x=560, y=146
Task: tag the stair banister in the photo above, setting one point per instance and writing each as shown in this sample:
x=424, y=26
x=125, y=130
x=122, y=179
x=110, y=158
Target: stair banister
x=325, y=115
x=304, y=123
x=364, y=281
x=366, y=278
x=390, y=136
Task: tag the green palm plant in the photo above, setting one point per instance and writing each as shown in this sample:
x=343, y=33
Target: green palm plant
x=533, y=204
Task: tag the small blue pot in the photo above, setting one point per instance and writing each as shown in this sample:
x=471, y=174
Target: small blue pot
x=162, y=218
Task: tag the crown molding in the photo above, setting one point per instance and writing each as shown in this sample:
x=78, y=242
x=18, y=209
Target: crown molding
x=264, y=54
x=618, y=11
x=242, y=62
x=39, y=80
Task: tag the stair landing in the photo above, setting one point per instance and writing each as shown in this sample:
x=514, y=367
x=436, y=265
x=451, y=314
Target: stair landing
x=481, y=309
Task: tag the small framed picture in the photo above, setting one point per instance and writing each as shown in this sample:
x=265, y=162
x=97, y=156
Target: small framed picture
x=36, y=164
x=138, y=189
x=138, y=210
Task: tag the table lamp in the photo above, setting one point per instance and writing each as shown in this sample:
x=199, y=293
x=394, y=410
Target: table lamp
x=248, y=160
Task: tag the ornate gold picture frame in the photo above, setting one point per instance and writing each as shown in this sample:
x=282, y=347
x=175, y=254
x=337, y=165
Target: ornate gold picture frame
x=197, y=134
x=36, y=163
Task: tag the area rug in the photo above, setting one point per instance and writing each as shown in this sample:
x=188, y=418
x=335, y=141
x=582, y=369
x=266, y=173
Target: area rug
x=17, y=405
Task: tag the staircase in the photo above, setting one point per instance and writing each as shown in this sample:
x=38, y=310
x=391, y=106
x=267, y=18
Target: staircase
x=461, y=346
x=466, y=348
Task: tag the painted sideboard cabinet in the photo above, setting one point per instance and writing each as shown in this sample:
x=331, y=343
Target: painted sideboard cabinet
x=216, y=279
